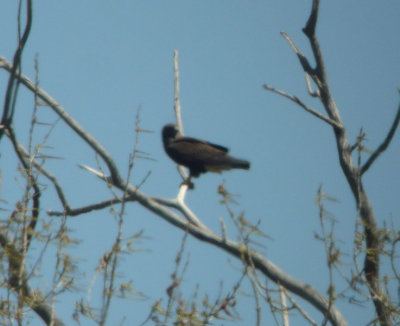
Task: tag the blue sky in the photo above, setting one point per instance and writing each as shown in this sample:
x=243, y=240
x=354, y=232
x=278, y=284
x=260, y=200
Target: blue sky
x=102, y=60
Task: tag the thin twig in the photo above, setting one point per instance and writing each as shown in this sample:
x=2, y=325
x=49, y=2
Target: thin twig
x=254, y=286
x=92, y=207
x=311, y=92
x=296, y=100
x=74, y=125
x=303, y=60
x=32, y=182
x=285, y=315
x=300, y=309
x=382, y=147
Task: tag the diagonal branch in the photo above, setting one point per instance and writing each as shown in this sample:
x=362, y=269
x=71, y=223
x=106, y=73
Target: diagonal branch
x=202, y=233
x=318, y=74
x=39, y=167
x=177, y=203
x=304, y=106
x=74, y=125
x=384, y=145
x=93, y=207
x=302, y=58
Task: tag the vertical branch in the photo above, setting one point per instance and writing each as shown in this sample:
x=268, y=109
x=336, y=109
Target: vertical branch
x=109, y=289
x=382, y=302
x=353, y=176
x=285, y=315
x=177, y=103
x=178, y=114
x=31, y=183
x=13, y=80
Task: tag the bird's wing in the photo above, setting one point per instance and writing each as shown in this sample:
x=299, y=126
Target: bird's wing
x=198, y=143
x=191, y=150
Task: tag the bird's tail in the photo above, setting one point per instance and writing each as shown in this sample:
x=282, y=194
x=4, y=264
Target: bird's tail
x=226, y=163
x=238, y=164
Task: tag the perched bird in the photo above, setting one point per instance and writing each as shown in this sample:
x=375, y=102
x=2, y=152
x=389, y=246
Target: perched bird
x=198, y=155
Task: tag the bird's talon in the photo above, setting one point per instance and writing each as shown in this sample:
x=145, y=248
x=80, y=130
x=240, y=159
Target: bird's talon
x=189, y=183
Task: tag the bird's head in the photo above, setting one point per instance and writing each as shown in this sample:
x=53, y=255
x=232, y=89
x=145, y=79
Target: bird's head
x=169, y=132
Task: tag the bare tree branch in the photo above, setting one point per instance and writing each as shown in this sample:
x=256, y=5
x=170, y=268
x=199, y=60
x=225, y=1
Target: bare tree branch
x=382, y=147
x=177, y=203
x=312, y=20
x=39, y=167
x=304, y=106
x=177, y=109
x=74, y=125
x=383, y=305
x=302, y=58
x=309, y=87
x=177, y=103
x=285, y=314
x=32, y=183
x=186, y=220
x=12, y=88
x=300, y=309
x=93, y=207
x=254, y=286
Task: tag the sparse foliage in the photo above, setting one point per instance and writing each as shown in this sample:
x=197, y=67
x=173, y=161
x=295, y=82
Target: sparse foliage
x=20, y=264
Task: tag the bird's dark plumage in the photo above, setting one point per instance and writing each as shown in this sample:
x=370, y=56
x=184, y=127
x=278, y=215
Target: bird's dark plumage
x=198, y=155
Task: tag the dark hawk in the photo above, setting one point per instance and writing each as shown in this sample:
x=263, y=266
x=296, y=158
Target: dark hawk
x=198, y=155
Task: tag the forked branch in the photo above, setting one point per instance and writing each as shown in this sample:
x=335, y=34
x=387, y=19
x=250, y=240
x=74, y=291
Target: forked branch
x=383, y=306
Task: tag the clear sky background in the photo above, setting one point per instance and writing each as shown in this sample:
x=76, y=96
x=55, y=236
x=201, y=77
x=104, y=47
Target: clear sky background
x=101, y=60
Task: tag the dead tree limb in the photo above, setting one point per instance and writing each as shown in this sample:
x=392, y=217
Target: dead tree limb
x=383, y=306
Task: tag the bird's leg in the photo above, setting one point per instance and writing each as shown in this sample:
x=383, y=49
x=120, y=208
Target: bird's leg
x=189, y=182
